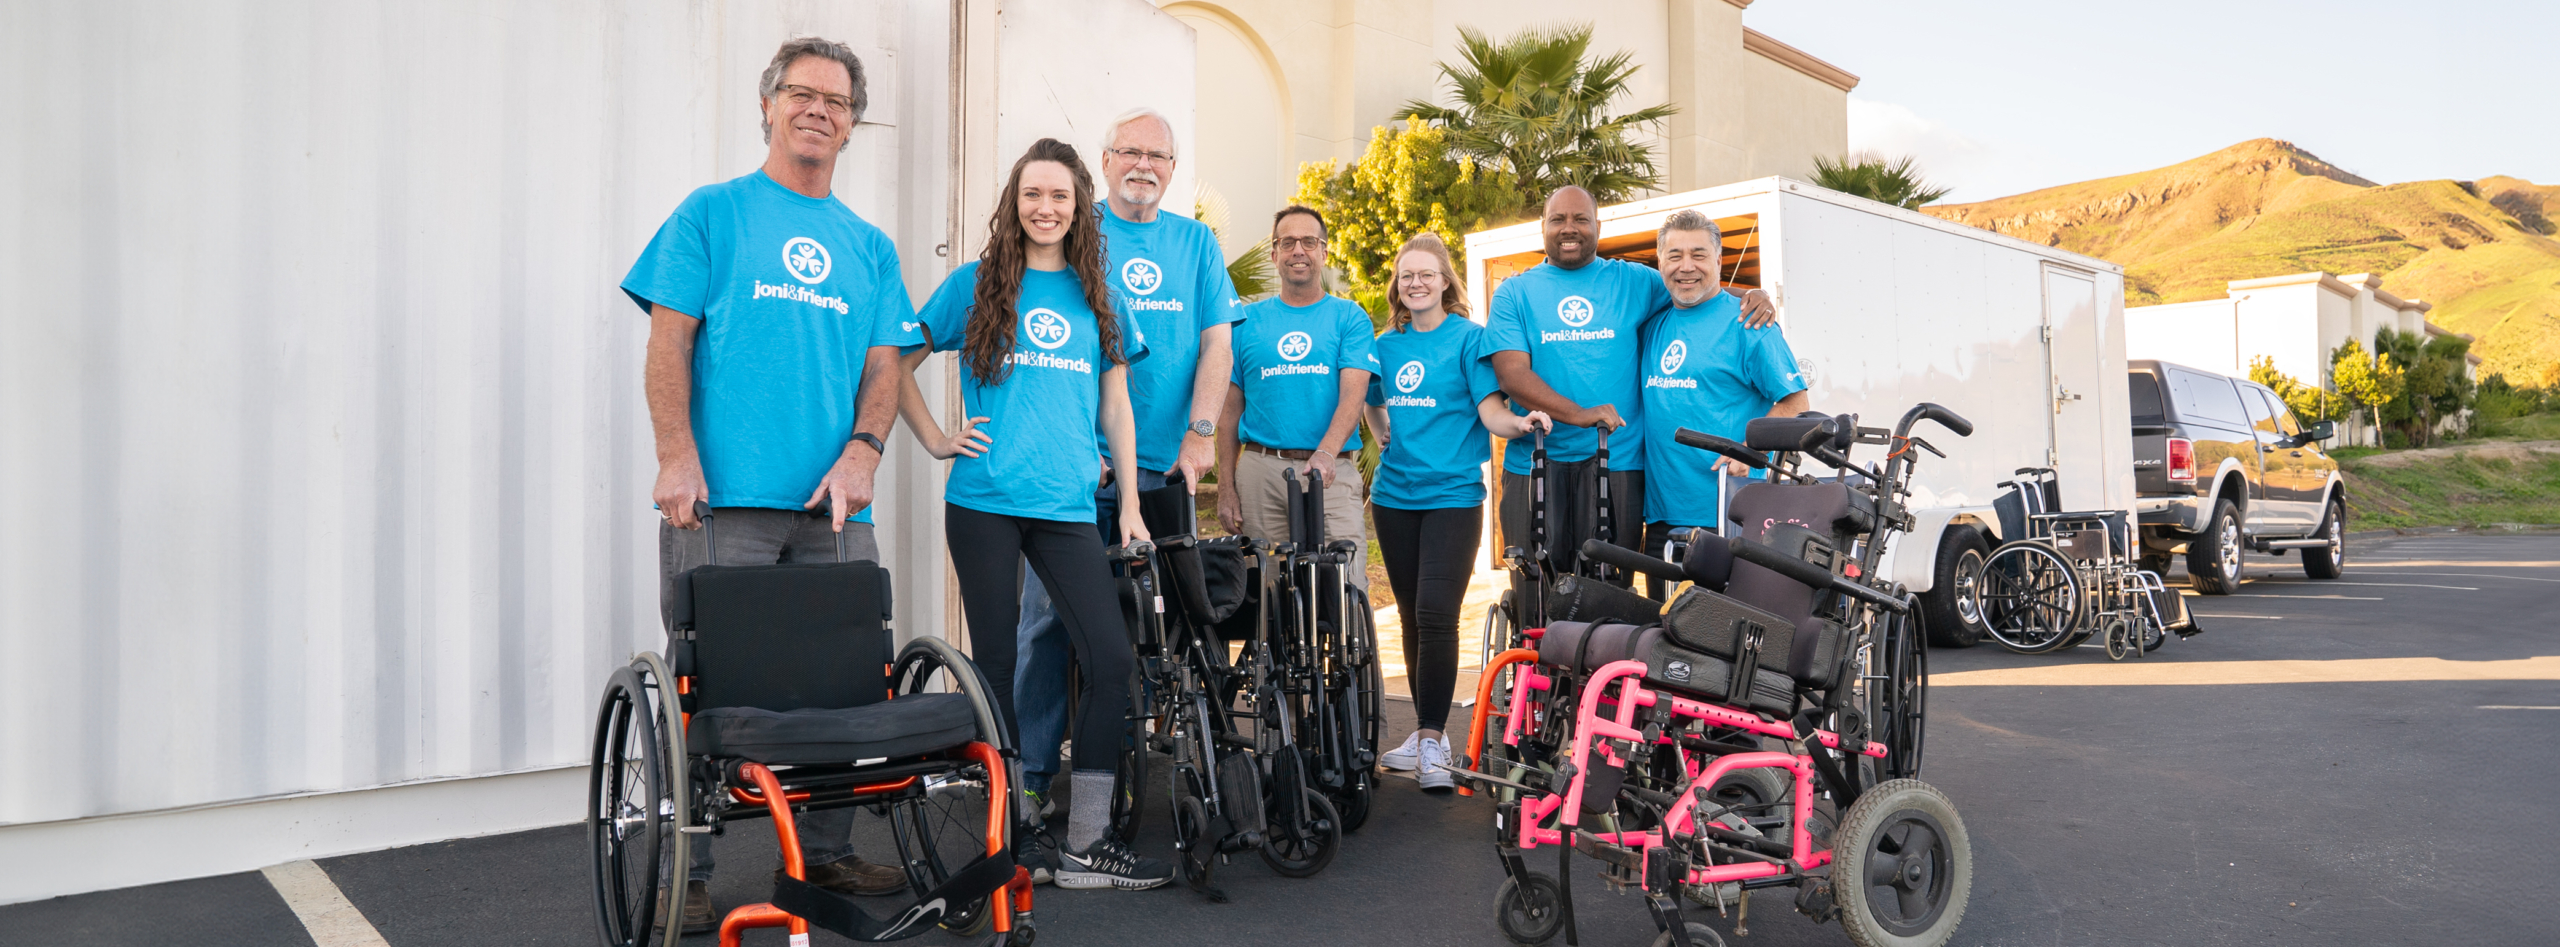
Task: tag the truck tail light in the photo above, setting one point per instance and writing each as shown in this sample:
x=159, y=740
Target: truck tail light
x=2182, y=459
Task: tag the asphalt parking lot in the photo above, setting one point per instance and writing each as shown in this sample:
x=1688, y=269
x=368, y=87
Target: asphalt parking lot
x=2361, y=761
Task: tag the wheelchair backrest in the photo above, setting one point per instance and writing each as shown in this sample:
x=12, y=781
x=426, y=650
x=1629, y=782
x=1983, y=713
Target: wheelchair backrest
x=784, y=637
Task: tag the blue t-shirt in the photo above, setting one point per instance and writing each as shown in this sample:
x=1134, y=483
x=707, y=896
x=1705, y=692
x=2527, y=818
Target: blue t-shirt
x=1041, y=416
x=792, y=291
x=1430, y=385
x=1704, y=371
x=1286, y=357
x=1173, y=281
x=1581, y=329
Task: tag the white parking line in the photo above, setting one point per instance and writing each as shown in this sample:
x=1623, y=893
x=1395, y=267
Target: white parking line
x=2350, y=598
x=324, y=910
x=2258, y=617
x=2392, y=585
x=2477, y=575
x=2514, y=707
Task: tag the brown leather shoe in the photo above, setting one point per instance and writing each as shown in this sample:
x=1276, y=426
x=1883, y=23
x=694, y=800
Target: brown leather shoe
x=697, y=908
x=857, y=877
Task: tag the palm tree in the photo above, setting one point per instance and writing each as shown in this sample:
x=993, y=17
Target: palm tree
x=1874, y=178
x=1532, y=105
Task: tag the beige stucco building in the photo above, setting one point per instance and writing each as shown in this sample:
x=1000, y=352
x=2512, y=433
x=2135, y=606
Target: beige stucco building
x=1283, y=82
x=2294, y=320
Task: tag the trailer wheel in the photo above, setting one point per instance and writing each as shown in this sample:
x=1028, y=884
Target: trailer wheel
x=1953, y=605
x=2213, y=562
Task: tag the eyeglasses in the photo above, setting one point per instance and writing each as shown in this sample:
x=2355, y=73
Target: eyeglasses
x=1294, y=243
x=1135, y=155
x=800, y=96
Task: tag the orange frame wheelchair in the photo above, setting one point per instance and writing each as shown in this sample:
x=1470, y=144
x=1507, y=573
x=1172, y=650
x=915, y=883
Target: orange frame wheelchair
x=779, y=696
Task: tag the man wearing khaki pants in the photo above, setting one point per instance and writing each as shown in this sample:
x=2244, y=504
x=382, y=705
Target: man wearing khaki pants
x=1302, y=366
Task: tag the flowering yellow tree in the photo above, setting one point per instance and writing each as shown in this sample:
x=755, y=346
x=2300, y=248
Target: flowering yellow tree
x=1406, y=182
x=2365, y=381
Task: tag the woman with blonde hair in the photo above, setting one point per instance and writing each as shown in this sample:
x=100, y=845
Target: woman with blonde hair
x=1434, y=407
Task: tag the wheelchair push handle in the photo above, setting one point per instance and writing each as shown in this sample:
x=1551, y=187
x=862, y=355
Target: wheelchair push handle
x=1726, y=446
x=1811, y=575
x=1630, y=560
x=1933, y=411
x=1132, y=552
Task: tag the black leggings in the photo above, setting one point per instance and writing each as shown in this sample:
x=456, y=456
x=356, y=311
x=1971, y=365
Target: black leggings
x=987, y=552
x=1431, y=556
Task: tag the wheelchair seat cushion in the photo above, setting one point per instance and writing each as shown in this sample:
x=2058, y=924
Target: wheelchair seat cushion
x=912, y=725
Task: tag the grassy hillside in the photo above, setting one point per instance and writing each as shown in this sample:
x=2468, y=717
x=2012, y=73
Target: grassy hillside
x=2478, y=484
x=2481, y=251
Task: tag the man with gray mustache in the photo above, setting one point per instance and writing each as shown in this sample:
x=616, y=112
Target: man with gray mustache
x=1170, y=276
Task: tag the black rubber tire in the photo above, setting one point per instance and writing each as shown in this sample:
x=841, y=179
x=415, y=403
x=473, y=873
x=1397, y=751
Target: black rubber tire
x=628, y=784
x=2215, y=559
x=1952, y=605
x=1303, y=855
x=2330, y=561
x=1902, y=819
x=936, y=833
x=1529, y=918
x=1700, y=935
x=1753, y=787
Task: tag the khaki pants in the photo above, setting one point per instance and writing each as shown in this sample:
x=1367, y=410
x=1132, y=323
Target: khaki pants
x=1263, y=499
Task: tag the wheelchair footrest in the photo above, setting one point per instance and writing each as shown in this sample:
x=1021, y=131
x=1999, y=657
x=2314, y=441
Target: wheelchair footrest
x=838, y=913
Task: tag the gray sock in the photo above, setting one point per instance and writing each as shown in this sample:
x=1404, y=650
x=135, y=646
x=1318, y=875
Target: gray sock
x=1088, y=807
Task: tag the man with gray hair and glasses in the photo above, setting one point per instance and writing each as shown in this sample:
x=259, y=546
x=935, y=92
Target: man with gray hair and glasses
x=1168, y=272
x=775, y=319
x=1704, y=369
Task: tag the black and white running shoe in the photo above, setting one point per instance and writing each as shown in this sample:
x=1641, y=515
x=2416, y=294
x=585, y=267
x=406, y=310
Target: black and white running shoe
x=1110, y=864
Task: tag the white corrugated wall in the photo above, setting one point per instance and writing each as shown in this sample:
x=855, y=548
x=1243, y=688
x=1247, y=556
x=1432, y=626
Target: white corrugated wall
x=319, y=410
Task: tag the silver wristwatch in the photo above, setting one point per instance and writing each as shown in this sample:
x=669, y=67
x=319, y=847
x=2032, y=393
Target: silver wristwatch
x=1204, y=428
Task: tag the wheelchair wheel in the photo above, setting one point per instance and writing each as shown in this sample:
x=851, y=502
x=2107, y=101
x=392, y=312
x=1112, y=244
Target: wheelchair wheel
x=1700, y=935
x=939, y=831
x=1301, y=847
x=1191, y=829
x=1903, y=867
x=636, y=808
x=2030, y=598
x=1902, y=700
x=1529, y=913
x=1129, y=787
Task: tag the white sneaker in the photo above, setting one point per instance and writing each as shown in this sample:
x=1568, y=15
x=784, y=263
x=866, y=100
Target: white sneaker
x=1434, y=774
x=1405, y=758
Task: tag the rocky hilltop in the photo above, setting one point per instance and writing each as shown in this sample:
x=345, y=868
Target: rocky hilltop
x=2482, y=251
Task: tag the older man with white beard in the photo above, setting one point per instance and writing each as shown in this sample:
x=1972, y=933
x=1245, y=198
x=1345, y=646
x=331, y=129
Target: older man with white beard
x=1171, y=277
x=1704, y=369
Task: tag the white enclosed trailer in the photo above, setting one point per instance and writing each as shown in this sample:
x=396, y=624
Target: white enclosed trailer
x=1886, y=308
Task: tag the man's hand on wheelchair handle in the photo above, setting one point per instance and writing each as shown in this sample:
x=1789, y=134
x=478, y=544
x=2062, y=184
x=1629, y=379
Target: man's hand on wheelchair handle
x=679, y=484
x=1604, y=417
x=846, y=490
x=1230, y=509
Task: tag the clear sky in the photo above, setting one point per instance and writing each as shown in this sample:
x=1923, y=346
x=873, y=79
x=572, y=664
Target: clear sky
x=2001, y=98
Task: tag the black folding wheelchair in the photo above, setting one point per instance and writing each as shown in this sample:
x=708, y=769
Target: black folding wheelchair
x=767, y=705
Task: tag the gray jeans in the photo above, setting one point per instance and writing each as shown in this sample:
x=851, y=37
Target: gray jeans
x=750, y=536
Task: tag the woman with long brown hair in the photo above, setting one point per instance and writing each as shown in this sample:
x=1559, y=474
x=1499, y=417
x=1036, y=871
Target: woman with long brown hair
x=1434, y=407
x=1045, y=360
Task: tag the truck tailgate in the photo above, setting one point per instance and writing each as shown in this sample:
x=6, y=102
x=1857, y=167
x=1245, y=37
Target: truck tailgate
x=2151, y=461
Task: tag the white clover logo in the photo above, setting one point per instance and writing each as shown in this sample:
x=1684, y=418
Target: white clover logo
x=807, y=261
x=1296, y=345
x=1574, y=310
x=1141, y=275
x=1409, y=377
x=1674, y=354
x=1046, y=328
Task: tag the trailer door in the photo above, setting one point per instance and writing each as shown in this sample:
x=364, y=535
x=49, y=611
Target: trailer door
x=2073, y=368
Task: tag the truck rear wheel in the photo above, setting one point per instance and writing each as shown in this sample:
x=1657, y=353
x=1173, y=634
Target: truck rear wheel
x=1953, y=605
x=2213, y=560
x=2330, y=561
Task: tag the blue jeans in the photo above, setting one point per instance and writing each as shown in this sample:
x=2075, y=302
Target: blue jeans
x=1042, y=654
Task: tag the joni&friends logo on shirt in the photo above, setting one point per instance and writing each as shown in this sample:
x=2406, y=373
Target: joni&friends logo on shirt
x=1293, y=347
x=1408, y=378
x=1673, y=355
x=807, y=260
x=1049, y=330
x=1576, y=312
x=1143, y=277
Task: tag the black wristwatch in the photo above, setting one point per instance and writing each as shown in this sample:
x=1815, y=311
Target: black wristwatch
x=1204, y=428
x=867, y=437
